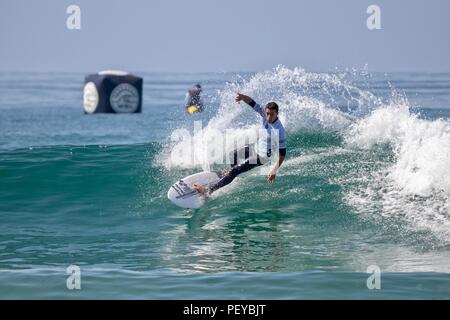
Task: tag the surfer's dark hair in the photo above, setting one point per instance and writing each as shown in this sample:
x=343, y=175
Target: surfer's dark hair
x=272, y=106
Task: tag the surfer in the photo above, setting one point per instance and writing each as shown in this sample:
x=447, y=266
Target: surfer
x=193, y=101
x=271, y=124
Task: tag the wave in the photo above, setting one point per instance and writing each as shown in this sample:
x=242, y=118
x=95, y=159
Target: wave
x=415, y=187
x=406, y=178
x=300, y=109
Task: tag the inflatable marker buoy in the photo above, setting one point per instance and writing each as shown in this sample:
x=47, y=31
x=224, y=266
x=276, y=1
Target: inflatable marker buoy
x=112, y=92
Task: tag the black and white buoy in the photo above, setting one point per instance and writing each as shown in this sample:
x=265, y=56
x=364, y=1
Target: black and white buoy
x=112, y=92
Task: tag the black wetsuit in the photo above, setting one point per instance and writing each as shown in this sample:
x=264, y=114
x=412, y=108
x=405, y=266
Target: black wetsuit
x=236, y=169
x=194, y=100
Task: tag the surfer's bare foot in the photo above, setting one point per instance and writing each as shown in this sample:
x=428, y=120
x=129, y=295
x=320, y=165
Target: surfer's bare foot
x=199, y=188
x=225, y=172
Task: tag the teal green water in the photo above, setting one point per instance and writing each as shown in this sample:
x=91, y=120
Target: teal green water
x=337, y=207
x=120, y=284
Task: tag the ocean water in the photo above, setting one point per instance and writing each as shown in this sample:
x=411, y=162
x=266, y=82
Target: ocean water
x=366, y=182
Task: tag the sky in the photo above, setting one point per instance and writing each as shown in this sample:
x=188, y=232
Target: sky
x=224, y=36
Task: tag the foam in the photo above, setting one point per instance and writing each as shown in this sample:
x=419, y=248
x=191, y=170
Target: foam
x=294, y=90
x=415, y=187
x=422, y=147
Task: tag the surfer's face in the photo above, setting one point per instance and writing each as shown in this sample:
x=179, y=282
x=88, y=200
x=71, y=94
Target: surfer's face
x=271, y=115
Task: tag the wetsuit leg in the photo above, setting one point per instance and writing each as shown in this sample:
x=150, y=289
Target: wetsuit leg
x=236, y=152
x=234, y=172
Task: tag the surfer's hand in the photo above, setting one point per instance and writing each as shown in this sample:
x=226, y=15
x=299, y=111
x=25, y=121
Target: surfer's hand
x=242, y=97
x=271, y=177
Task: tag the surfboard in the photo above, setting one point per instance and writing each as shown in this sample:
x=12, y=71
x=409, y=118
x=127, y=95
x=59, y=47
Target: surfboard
x=193, y=109
x=182, y=194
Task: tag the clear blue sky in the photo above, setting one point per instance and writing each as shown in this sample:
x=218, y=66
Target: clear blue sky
x=231, y=35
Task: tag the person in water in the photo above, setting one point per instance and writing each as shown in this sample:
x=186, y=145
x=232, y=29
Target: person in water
x=193, y=98
x=263, y=148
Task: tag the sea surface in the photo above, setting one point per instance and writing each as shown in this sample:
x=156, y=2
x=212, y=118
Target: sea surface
x=365, y=186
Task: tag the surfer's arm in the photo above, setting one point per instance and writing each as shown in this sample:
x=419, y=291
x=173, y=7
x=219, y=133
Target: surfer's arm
x=187, y=100
x=242, y=97
x=281, y=155
x=273, y=172
x=252, y=103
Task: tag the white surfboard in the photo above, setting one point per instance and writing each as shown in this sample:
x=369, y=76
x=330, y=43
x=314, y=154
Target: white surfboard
x=182, y=194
